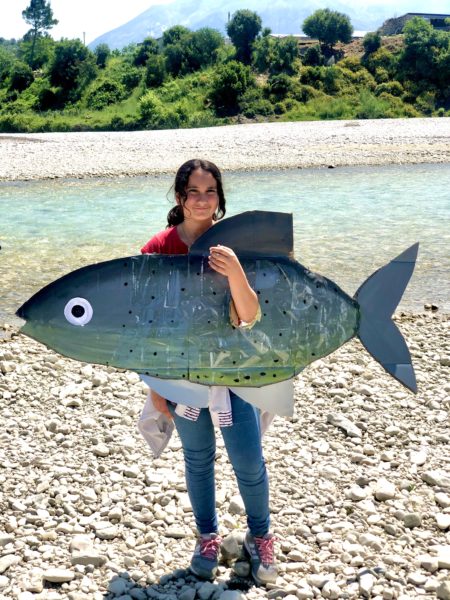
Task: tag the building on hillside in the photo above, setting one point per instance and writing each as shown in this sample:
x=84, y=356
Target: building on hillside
x=395, y=25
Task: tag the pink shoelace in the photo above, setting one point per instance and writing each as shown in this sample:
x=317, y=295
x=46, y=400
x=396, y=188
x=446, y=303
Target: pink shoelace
x=209, y=548
x=265, y=548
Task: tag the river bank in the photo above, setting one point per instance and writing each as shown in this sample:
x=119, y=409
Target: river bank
x=259, y=146
x=360, y=483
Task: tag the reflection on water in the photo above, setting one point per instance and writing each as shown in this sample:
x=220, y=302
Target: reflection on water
x=348, y=222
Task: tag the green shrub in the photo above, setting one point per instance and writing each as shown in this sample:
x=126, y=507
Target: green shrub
x=279, y=86
x=229, y=85
x=20, y=77
x=313, y=57
x=394, y=88
x=371, y=107
x=371, y=42
x=426, y=102
x=156, y=73
x=106, y=93
x=131, y=78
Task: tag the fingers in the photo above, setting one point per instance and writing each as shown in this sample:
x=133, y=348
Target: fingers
x=221, y=259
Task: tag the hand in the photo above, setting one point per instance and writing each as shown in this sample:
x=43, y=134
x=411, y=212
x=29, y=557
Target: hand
x=160, y=404
x=224, y=261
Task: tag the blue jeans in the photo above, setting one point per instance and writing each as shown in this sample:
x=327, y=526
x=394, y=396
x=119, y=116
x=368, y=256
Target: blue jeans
x=243, y=444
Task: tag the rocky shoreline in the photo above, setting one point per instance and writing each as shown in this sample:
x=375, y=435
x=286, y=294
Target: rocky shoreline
x=234, y=148
x=360, y=483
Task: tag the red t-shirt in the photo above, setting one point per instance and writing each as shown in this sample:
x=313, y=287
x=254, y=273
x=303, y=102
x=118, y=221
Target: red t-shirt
x=165, y=242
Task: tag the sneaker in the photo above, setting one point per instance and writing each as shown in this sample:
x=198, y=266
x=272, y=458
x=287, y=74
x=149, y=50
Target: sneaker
x=261, y=553
x=206, y=555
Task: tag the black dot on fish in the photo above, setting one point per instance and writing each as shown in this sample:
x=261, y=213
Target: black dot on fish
x=153, y=272
x=335, y=289
x=183, y=289
x=274, y=375
x=125, y=264
x=266, y=301
x=183, y=376
x=264, y=314
x=234, y=362
x=313, y=353
x=304, y=301
x=284, y=312
x=262, y=374
x=78, y=311
x=131, y=350
x=258, y=291
x=236, y=380
x=198, y=376
x=264, y=274
x=275, y=360
x=209, y=321
x=214, y=293
x=316, y=307
x=126, y=283
x=182, y=354
x=205, y=376
x=247, y=377
x=153, y=297
x=172, y=321
x=317, y=285
x=147, y=373
x=280, y=334
x=130, y=312
x=155, y=354
x=123, y=325
x=151, y=321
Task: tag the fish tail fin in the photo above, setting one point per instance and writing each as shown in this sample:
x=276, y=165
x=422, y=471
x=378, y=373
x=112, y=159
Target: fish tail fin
x=378, y=297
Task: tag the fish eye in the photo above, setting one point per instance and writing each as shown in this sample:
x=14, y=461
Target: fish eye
x=78, y=311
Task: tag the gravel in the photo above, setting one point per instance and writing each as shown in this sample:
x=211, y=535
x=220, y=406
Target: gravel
x=360, y=483
x=236, y=147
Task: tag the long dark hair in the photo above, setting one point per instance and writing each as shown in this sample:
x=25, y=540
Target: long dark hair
x=176, y=216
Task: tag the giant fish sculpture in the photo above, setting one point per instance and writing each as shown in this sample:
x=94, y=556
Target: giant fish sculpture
x=168, y=316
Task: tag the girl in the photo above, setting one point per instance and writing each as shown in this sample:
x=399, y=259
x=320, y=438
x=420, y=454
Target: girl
x=200, y=201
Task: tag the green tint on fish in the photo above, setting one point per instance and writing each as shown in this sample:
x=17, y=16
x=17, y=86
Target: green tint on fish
x=168, y=316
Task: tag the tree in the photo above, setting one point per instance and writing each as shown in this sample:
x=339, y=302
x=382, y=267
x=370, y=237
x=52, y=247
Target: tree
x=243, y=29
x=192, y=50
x=102, y=52
x=371, y=42
x=329, y=27
x=20, y=77
x=39, y=15
x=155, y=73
x=174, y=34
x=73, y=67
x=149, y=47
x=231, y=82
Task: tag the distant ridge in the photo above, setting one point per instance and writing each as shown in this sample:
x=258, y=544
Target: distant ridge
x=282, y=16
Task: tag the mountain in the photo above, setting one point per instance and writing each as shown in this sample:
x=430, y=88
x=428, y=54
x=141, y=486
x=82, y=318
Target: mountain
x=282, y=16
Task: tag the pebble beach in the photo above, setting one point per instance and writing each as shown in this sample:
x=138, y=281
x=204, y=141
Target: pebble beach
x=360, y=475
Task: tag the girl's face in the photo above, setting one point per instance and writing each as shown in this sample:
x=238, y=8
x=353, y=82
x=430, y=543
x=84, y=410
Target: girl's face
x=202, y=198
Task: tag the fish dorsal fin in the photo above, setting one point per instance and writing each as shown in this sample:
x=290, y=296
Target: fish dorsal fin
x=252, y=233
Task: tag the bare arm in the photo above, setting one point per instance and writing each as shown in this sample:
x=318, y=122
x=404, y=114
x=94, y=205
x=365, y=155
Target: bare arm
x=224, y=261
x=160, y=404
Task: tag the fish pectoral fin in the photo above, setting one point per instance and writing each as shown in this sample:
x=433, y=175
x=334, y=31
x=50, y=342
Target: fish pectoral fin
x=254, y=233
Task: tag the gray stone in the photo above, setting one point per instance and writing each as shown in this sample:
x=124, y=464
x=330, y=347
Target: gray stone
x=118, y=586
x=58, y=575
x=4, y=582
x=438, y=478
x=8, y=561
x=443, y=591
x=411, y=520
x=187, y=594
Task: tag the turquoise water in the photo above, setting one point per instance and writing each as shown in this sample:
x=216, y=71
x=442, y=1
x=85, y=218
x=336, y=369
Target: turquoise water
x=348, y=222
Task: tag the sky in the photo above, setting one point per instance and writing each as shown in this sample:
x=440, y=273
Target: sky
x=95, y=17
